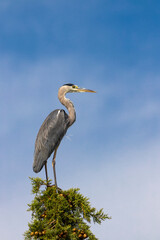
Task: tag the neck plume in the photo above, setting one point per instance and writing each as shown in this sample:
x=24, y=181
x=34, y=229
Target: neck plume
x=68, y=104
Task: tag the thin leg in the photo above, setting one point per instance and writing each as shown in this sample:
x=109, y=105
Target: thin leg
x=53, y=165
x=46, y=173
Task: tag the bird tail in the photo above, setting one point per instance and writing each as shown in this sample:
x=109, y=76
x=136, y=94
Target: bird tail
x=38, y=163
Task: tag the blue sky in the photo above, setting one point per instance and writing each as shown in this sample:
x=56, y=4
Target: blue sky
x=112, y=151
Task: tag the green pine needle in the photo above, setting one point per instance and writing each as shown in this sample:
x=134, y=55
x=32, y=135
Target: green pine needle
x=60, y=214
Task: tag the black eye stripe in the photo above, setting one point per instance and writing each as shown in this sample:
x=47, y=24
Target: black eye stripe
x=69, y=84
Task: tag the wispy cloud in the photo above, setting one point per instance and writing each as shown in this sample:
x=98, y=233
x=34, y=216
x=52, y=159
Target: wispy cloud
x=126, y=184
x=121, y=176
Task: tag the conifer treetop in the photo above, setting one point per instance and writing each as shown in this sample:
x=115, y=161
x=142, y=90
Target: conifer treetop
x=62, y=214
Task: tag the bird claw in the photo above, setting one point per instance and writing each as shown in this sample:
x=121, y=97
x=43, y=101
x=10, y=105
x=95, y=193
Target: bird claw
x=53, y=185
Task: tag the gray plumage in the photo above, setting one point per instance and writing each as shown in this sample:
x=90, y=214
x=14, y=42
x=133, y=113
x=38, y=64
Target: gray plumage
x=49, y=137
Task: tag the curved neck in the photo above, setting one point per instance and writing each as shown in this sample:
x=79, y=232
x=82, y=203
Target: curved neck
x=68, y=104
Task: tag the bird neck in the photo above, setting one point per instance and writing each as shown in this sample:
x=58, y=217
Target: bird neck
x=68, y=104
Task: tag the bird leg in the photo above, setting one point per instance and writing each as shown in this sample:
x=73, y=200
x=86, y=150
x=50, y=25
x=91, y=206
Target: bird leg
x=46, y=173
x=53, y=165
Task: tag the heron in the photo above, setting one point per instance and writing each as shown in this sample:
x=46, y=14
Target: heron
x=53, y=130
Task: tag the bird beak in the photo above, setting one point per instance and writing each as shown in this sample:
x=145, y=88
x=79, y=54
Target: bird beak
x=85, y=90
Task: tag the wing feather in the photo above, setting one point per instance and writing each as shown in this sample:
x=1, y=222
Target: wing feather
x=49, y=136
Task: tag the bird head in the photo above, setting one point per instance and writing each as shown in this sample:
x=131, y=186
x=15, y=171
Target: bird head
x=74, y=88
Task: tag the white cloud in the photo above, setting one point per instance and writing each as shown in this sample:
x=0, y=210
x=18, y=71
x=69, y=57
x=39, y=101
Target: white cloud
x=126, y=185
x=140, y=112
x=125, y=182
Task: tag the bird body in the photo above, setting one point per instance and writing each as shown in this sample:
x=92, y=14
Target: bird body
x=53, y=130
x=49, y=137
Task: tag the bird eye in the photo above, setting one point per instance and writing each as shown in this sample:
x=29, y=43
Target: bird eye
x=74, y=86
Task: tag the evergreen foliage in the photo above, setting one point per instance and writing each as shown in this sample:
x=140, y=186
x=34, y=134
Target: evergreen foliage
x=59, y=214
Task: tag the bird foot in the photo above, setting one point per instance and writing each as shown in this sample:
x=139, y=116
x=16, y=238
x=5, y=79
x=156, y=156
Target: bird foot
x=53, y=185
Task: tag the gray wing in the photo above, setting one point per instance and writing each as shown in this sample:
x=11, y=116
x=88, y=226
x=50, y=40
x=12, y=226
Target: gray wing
x=49, y=136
